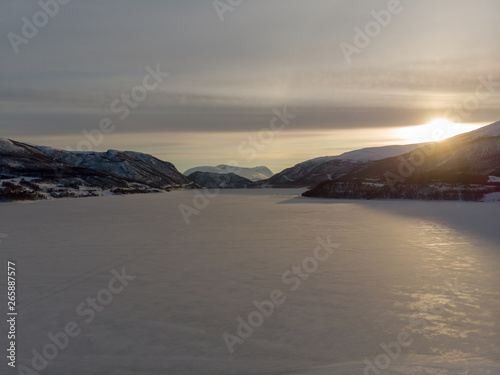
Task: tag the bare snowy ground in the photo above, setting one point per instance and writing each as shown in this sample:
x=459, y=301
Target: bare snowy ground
x=412, y=287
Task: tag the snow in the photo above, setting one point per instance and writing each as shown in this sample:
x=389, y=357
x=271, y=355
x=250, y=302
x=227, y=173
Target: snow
x=491, y=197
x=369, y=153
x=492, y=130
x=7, y=145
x=378, y=153
x=494, y=179
x=193, y=281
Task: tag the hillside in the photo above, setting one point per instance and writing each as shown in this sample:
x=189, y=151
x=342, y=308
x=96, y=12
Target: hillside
x=28, y=170
x=467, y=157
x=464, y=167
x=312, y=171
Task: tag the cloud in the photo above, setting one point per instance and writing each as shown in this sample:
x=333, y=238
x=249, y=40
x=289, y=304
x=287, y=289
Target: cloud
x=228, y=76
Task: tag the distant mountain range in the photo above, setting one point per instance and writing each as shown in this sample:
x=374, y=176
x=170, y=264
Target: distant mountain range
x=228, y=177
x=221, y=180
x=252, y=174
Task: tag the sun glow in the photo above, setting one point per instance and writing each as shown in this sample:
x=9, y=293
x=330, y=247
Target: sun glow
x=434, y=131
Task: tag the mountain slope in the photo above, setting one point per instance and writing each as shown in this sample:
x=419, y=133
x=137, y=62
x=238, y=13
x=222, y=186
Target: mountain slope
x=469, y=157
x=474, y=153
x=323, y=168
x=103, y=170
x=311, y=172
x=464, y=167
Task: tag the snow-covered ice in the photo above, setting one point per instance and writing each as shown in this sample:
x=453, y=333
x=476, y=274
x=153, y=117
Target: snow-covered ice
x=427, y=269
x=493, y=179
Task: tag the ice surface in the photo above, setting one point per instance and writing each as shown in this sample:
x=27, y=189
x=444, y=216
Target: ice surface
x=397, y=260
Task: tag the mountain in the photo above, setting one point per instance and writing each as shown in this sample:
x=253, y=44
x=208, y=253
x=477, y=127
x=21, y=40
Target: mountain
x=253, y=174
x=465, y=158
x=78, y=173
x=454, y=159
x=464, y=167
x=221, y=180
x=315, y=170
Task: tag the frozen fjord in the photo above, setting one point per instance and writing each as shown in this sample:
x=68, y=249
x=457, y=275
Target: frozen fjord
x=193, y=281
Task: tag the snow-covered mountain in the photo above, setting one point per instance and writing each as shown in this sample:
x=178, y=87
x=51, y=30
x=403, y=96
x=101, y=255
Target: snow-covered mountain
x=60, y=171
x=472, y=156
x=464, y=167
x=475, y=151
x=252, y=174
x=322, y=168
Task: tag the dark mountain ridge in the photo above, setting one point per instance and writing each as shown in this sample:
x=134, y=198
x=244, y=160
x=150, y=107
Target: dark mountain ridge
x=90, y=173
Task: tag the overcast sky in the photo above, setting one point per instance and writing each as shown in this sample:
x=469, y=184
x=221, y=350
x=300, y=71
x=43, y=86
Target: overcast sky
x=229, y=69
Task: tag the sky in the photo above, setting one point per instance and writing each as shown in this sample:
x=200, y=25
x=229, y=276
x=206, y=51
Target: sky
x=250, y=82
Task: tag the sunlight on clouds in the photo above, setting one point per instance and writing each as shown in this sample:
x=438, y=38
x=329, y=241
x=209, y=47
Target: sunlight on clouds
x=436, y=130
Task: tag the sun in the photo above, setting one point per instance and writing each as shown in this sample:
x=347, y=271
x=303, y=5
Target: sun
x=434, y=131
